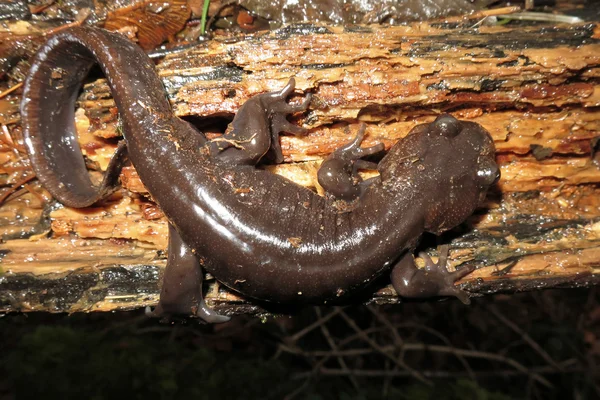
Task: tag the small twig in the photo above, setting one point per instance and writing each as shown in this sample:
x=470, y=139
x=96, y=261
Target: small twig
x=34, y=192
x=14, y=188
x=40, y=8
x=334, y=347
x=152, y=329
x=300, y=389
x=532, y=343
x=314, y=325
x=397, y=339
x=352, y=338
x=436, y=374
x=388, y=380
x=381, y=350
x=489, y=356
x=443, y=338
x=296, y=350
x=385, y=350
x=542, y=16
x=84, y=15
x=495, y=11
x=7, y=139
x=483, y=14
x=476, y=24
x=398, y=342
x=325, y=353
x=10, y=89
x=310, y=376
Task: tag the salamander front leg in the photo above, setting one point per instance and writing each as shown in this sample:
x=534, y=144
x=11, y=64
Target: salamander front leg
x=181, y=292
x=433, y=280
x=338, y=174
x=255, y=129
x=279, y=109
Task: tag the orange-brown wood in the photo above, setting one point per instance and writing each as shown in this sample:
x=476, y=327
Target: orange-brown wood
x=536, y=89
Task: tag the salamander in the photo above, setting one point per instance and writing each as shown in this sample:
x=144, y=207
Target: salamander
x=256, y=232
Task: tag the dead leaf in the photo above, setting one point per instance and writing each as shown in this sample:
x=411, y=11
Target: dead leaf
x=155, y=21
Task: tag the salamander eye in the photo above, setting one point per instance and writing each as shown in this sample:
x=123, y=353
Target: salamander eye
x=488, y=173
x=447, y=125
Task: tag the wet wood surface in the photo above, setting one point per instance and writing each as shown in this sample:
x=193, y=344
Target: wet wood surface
x=536, y=89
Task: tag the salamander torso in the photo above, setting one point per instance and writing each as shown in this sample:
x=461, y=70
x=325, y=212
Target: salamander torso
x=258, y=233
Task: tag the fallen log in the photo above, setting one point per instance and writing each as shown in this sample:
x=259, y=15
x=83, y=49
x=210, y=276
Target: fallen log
x=536, y=89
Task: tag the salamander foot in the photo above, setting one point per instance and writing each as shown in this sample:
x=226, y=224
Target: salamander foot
x=254, y=132
x=181, y=292
x=279, y=109
x=338, y=174
x=433, y=280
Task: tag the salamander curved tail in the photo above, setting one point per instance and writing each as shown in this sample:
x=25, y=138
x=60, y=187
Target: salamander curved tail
x=48, y=107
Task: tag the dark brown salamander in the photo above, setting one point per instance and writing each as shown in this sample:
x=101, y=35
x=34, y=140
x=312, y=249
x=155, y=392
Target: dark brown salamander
x=258, y=233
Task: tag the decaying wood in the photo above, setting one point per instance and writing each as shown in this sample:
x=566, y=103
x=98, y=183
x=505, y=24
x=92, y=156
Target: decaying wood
x=535, y=89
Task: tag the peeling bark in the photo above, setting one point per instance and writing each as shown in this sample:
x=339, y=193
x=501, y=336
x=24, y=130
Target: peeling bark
x=536, y=89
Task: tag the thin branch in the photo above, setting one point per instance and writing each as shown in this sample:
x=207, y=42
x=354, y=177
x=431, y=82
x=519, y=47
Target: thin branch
x=532, y=343
x=334, y=347
x=546, y=369
x=441, y=337
x=385, y=350
x=9, y=191
x=314, y=325
x=386, y=353
x=10, y=90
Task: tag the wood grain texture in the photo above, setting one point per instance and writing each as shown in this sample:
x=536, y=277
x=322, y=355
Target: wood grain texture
x=536, y=89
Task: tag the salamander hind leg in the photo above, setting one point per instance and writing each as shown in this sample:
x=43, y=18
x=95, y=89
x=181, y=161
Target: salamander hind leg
x=433, y=280
x=181, y=292
x=338, y=174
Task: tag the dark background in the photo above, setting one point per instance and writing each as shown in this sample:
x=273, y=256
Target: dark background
x=541, y=345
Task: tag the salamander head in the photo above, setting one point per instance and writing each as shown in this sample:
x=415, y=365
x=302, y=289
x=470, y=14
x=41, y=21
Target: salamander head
x=449, y=164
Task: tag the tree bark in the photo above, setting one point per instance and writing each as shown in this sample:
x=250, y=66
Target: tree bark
x=536, y=89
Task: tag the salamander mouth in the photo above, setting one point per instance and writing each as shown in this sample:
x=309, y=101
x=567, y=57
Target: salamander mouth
x=497, y=176
x=488, y=174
